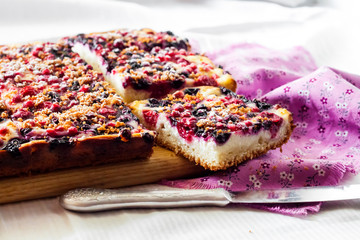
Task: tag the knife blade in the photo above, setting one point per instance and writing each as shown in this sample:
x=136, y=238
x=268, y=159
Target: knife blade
x=159, y=196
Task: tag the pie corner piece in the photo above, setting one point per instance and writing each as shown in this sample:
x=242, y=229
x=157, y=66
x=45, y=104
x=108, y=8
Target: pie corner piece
x=57, y=113
x=214, y=127
x=143, y=64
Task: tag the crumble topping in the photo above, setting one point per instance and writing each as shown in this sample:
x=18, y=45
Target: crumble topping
x=157, y=62
x=214, y=115
x=48, y=92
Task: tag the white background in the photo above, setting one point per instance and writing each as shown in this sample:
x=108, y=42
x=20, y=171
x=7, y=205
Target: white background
x=328, y=29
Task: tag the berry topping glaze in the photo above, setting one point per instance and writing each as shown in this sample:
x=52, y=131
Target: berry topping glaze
x=213, y=113
x=49, y=93
x=155, y=62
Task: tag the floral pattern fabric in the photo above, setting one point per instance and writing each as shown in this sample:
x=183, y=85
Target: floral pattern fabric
x=325, y=104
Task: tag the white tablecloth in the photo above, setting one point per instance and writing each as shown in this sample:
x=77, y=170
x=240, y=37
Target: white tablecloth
x=328, y=29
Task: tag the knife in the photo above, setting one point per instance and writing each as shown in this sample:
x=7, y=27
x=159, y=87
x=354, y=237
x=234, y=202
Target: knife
x=159, y=196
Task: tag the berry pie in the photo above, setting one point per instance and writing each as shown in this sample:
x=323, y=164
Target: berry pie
x=57, y=112
x=146, y=64
x=213, y=126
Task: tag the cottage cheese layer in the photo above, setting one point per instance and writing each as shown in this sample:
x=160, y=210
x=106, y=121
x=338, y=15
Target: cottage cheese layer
x=147, y=64
x=215, y=127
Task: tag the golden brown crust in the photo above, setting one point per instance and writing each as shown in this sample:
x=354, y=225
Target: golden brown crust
x=231, y=84
x=39, y=156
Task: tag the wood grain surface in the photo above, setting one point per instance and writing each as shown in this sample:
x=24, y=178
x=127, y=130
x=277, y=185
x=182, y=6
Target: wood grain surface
x=162, y=164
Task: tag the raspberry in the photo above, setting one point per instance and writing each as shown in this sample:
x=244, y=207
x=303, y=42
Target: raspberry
x=46, y=71
x=51, y=133
x=59, y=129
x=3, y=131
x=107, y=111
x=55, y=107
x=150, y=117
x=84, y=88
x=28, y=91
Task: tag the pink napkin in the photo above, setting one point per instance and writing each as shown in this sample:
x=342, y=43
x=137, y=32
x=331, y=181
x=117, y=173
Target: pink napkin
x=325, y=104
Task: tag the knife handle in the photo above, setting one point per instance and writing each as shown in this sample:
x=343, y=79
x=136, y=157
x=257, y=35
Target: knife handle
x=147, y=196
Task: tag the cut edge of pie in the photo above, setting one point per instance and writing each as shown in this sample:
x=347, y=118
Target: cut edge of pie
x=205, y=72
x=215, y=151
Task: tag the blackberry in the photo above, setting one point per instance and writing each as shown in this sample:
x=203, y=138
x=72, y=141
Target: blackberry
x=134, y=64
x=266, y=124
x=200, y=132
x=104, y=95
x=126, y=134
x=148, y=138
x=177, y=83
x=200, y=111
x=164, y=103
x=182, y=45
x=191, y=91
x=153, y=102
x=233, y=118
x=140, y=83
x=75, y=86
x=169, y=33
x=54, y=96
x=228, y=92
x=256, y=127
x=25, y=131
x=261, y=105
x=173, y=121
x=185, y=74
x=65, y=141
x=111, y=65
x=250, y=115
x=13, y=146
x=221, y=137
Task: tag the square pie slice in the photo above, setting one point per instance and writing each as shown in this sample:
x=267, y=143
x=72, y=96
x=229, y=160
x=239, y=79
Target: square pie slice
x=56, y=112
x=147, y=64
x=215, y=127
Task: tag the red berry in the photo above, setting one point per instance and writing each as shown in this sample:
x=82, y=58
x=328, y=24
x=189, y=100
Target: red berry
x=178, y=107
x=248, y=123
x=107, y=111
x=28, y=91
x=28, y=104
x=59, y=129
x=232, y=127
x=46, y=71
x=16, y=99
x=22, y=113
x=204, y=80
x=255, y=109
x=111, y=124
x=55, y=107
x=188, y=106
x=72, y=131
x=179, y=94
x=150, y=117
x=51, y=133
x=175, y=113
x=84, y=88
x=219, y=125
x=3, y=131
x=186, y=114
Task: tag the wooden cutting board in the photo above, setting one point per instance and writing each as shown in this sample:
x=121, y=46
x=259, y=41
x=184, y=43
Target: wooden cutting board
x=163, y=164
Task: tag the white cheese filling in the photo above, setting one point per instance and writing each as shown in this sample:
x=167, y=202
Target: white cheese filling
x=237, y=145
x=115, y=79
